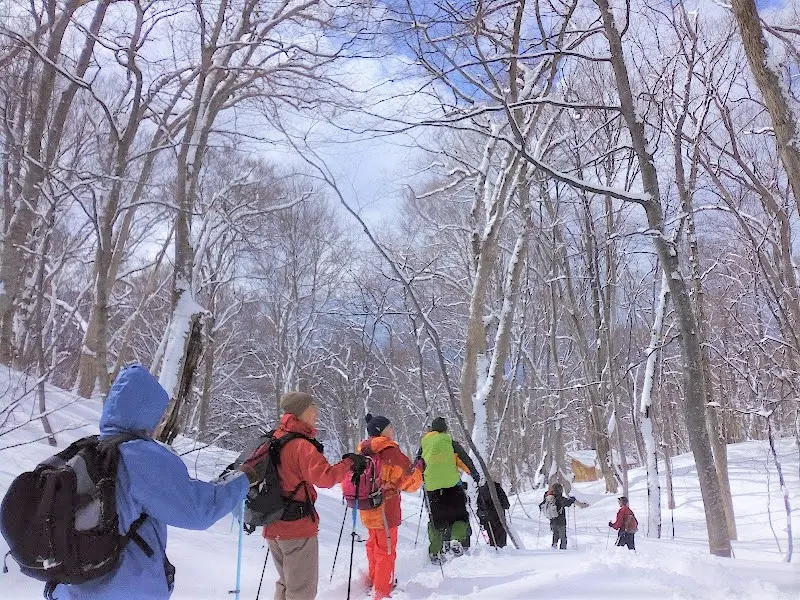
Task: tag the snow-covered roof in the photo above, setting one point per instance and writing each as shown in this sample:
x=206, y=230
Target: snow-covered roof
x=586, y=456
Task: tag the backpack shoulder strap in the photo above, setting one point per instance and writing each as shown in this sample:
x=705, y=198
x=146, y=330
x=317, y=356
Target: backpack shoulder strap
x=277, y=444
x=118, y=439
x=58, y=460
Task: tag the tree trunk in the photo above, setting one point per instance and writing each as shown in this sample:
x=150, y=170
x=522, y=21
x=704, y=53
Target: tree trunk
x=487, y=250
x=41, y=366
x=205, y=402
x=784, y=490
x=719, y=447
x=646, y=416
x=763, y=65
x=169, y=427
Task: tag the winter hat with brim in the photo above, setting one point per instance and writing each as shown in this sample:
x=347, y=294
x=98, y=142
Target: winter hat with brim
x=439, y=424
x=296, y=403
x=376, y=424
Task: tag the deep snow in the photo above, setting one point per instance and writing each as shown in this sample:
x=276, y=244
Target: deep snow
x=591, y=568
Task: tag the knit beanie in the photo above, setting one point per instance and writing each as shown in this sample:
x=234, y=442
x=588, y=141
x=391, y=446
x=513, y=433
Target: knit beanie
x=439, y=424
x=296, y=403
x=376, y=424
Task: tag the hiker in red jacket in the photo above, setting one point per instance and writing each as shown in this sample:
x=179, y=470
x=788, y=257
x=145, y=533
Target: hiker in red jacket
x=293, y=539
x=396, y=474
x=626, y=524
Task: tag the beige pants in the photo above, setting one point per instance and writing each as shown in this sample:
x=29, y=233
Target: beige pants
x=297, y=562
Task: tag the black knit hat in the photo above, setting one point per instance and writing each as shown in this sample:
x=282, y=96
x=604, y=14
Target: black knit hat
x=376, y=424
x=439, y=424
x=623, y=499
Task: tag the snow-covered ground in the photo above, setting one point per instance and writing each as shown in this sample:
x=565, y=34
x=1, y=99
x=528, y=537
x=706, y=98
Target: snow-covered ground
x=672, y=567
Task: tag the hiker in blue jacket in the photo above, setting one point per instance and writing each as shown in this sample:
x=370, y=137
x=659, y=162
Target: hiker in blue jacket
x=151, y=480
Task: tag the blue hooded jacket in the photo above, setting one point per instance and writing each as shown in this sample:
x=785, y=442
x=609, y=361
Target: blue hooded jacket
x=151, y=480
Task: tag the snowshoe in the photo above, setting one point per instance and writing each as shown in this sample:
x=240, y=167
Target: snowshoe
x=456, y=548
x=395, y=587
x=438, y=559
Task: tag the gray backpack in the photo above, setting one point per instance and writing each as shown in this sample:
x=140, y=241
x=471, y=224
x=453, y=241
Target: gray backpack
x=550, y=508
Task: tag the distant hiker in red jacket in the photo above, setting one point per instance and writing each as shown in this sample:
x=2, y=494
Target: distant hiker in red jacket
x=626, y=524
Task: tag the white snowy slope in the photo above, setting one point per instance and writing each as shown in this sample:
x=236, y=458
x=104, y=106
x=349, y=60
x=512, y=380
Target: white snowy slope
x=591, y=568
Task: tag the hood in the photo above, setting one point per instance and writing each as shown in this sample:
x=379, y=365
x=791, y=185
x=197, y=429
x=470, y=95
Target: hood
x=375, y=444
x=291, y=423
x=431, y=434
x=136, y=402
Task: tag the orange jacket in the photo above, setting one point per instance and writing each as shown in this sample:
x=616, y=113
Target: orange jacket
x=397, y=474
x=301, y=462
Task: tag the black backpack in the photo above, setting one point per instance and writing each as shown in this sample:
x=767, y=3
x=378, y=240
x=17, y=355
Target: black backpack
x=265, y=502
x=60, y=520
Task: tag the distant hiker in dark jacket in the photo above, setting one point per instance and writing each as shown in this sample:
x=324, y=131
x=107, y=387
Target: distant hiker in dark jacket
x=554, y=507
x=487, y=514
x=625, y=524
x=153, y=481
x=443, y=458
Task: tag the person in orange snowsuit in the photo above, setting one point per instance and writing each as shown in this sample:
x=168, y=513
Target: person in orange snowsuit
x=396, y=474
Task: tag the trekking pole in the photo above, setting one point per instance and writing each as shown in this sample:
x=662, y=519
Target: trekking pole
x=574, y=527
x=538, y=528
x=608, y=537
x=353, y=536
x=478, y=536
x=491, y=536
x=239, y=557
x=511, y=512
x=419, y=523
x=427, y=506
x=263, y=570
x=338, y=543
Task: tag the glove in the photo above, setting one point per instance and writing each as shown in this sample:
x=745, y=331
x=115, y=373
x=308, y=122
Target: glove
x=610, y=524
x=359, y=463
x=252, y=476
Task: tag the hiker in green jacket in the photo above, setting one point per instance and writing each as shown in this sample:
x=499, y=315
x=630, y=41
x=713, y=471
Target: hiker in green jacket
x=444, y=459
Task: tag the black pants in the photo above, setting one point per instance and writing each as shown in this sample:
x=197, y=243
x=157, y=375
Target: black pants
x=448, y=512
x=559, y=534
x=626, y=539
x=447, y=506
x=494, y=529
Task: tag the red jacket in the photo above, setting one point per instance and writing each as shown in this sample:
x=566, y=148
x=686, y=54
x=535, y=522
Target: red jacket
x=396, y=475
x=301, y=462
x=622, y=514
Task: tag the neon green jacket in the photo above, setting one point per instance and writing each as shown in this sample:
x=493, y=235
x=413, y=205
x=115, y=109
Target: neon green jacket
x=443, y=457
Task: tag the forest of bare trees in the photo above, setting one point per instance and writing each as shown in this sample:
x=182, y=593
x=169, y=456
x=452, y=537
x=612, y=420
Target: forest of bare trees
x=591, y=245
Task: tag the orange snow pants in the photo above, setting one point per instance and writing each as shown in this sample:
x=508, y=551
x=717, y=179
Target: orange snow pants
x=381, y=560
